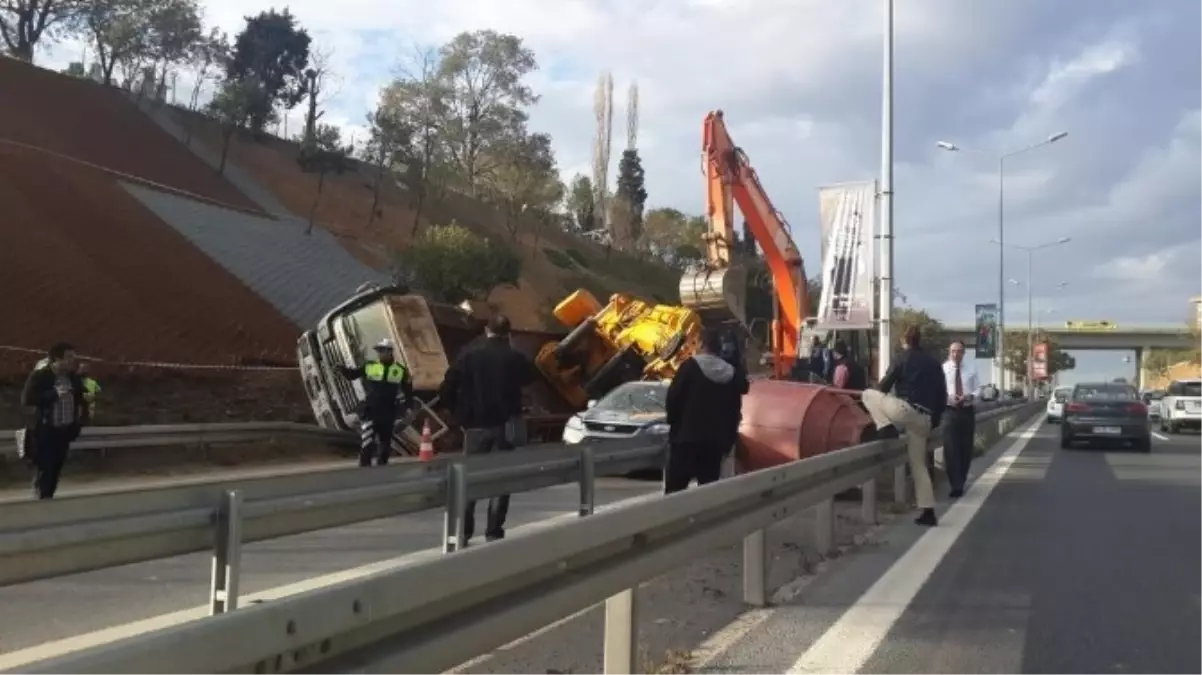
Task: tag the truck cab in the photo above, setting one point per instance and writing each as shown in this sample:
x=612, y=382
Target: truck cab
x=344, y=338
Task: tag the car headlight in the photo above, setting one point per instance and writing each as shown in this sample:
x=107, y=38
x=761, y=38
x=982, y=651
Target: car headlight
x=657, y=429
x=573, y=431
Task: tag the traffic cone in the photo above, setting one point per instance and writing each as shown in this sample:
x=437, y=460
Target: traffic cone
x=425, y=451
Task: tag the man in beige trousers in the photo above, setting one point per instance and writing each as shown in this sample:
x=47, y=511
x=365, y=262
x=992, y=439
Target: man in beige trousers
x=915, y=408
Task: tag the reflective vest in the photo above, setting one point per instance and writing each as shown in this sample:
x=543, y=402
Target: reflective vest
x=90, y=389
x=378, y=372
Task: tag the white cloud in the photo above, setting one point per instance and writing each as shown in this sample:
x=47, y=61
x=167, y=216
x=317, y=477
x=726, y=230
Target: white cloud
x=800, y=82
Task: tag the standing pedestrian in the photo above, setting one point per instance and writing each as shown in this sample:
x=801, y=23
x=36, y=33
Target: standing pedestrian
x=848, y=373
x=704, y=405
x=821, y=362
x=388, y=389
x=959, y=422
x=483, y=389
x=91, y=390
x=915, y=408
x=55, y=392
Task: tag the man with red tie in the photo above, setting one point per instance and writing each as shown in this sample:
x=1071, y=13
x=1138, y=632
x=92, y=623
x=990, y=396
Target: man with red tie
x=959, y=420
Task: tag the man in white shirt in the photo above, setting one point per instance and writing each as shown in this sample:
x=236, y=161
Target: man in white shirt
x=959, y=420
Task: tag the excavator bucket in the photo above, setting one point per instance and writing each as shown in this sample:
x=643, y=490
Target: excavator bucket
x=785, y=421
x=717, y=295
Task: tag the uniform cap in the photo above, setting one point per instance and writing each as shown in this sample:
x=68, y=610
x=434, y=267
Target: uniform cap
x=384, y=344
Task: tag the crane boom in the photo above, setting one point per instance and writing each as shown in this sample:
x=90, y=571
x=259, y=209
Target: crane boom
x=731, y=180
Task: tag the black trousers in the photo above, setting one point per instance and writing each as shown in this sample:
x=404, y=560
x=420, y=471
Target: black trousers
x=375, y=440
x=687, y=461
x=50, y=454
x=482, y=442
x=959, y=428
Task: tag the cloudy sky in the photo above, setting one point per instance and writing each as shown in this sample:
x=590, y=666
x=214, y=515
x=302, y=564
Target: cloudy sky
x=799, y=81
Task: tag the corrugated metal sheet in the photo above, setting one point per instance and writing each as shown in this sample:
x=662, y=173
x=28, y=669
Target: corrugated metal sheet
x=303, y=276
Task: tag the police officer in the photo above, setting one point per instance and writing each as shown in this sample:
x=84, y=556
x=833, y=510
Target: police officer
x=91, y=388
x=389, y=392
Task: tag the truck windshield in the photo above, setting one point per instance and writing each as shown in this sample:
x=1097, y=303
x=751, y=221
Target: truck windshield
x=365, y=327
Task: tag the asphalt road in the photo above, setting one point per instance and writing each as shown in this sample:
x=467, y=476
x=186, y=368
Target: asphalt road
x=1077, y=561
x=53, y=609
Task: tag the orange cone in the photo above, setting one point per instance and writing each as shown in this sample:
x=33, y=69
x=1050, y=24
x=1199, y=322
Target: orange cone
x=425, y=451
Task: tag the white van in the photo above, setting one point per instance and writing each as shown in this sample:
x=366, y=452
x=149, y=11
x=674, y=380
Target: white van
x=1055, y=408
x=1181, y=406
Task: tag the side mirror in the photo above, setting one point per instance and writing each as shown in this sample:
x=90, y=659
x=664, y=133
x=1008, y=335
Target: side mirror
x=590, y=404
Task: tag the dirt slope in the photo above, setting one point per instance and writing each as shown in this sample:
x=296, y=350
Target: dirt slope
x=82, y=260
x=554, y=262
x=88, y=121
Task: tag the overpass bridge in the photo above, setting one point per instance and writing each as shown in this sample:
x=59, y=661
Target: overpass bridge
x=1138, y=338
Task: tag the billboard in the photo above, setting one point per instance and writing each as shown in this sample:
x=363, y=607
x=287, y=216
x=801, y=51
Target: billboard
x=847, y=218
x=986, y=332
x=1039, y=361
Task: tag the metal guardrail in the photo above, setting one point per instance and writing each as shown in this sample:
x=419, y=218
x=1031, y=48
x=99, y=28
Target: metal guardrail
x=434, y=615
x=161, y=435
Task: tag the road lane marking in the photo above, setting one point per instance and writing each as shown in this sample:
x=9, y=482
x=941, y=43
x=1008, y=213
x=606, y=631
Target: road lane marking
x=848, y=644
x=1161, y=436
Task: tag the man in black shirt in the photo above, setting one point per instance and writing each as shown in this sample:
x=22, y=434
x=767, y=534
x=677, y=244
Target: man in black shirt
x=916, y=407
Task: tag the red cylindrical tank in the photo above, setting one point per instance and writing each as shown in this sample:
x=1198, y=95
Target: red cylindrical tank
x=785, y=421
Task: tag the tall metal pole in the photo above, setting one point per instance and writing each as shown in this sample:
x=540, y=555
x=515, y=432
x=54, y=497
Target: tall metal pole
x=1030, y=326
x=885, y=338
x=1001, y=275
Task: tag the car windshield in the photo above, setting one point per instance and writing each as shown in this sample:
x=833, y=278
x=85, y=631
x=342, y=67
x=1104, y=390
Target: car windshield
x=1191, y=389
x=1104, y=392
x=1060, y=395
x=635, y=398
x=1153, y=396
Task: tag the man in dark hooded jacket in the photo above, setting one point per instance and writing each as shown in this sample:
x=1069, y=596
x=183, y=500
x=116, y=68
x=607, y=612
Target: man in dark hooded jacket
x=704, y=406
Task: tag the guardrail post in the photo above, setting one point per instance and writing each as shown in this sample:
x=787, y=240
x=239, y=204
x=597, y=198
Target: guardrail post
x=453, y=535
x=868, y=502
x=588, y=481
x=755, y=568
x=901, y=486
x=227, y=554
x=824, y=526
x=621, y=634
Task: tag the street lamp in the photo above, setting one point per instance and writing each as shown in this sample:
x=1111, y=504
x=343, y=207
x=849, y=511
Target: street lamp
x=1001, y=234
x=1030, y=251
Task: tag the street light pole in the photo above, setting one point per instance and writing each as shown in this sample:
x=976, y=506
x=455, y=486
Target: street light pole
x=885, y=297
x=1030, y=251
x=1000, y=356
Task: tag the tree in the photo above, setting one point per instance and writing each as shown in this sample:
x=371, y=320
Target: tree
x=631, y=192
x=173, y=32
x=117, y=30
x=485, y=99
x=387, y=140
x=273, y=49
x=323, y=155
x=417, y=100
x=231, y=106
x=25, y=23
x=1016, y=354
x=323, y=84
x=933, y=335
x=212, y=50
x=579, y=203
x=674, y=236
x=452, y=264
x=526, y=178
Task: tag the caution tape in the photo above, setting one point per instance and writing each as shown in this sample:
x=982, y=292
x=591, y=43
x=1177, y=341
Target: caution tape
x=166, y=365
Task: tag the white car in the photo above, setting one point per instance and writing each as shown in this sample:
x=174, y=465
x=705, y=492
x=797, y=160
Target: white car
x=1181, y=406
x=1055, y=407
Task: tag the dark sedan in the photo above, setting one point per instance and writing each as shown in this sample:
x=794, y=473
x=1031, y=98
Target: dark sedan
x=1106, y=412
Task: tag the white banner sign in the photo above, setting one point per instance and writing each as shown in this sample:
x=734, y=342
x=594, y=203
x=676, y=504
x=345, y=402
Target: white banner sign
x=847, y=216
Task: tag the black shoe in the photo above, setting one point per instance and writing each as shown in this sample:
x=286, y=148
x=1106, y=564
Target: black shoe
x=927, y=518
x=956, y=494
x=494, y=536
x=887, y=432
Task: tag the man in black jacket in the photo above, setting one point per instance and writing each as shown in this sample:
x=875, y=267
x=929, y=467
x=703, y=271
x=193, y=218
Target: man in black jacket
x=388, y=387
x=483, y=389
x=704, y=406
x=921, y=396
x=56, y=394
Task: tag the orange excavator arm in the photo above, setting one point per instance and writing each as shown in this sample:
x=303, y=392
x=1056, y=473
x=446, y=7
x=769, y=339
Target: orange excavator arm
x=731, y=180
